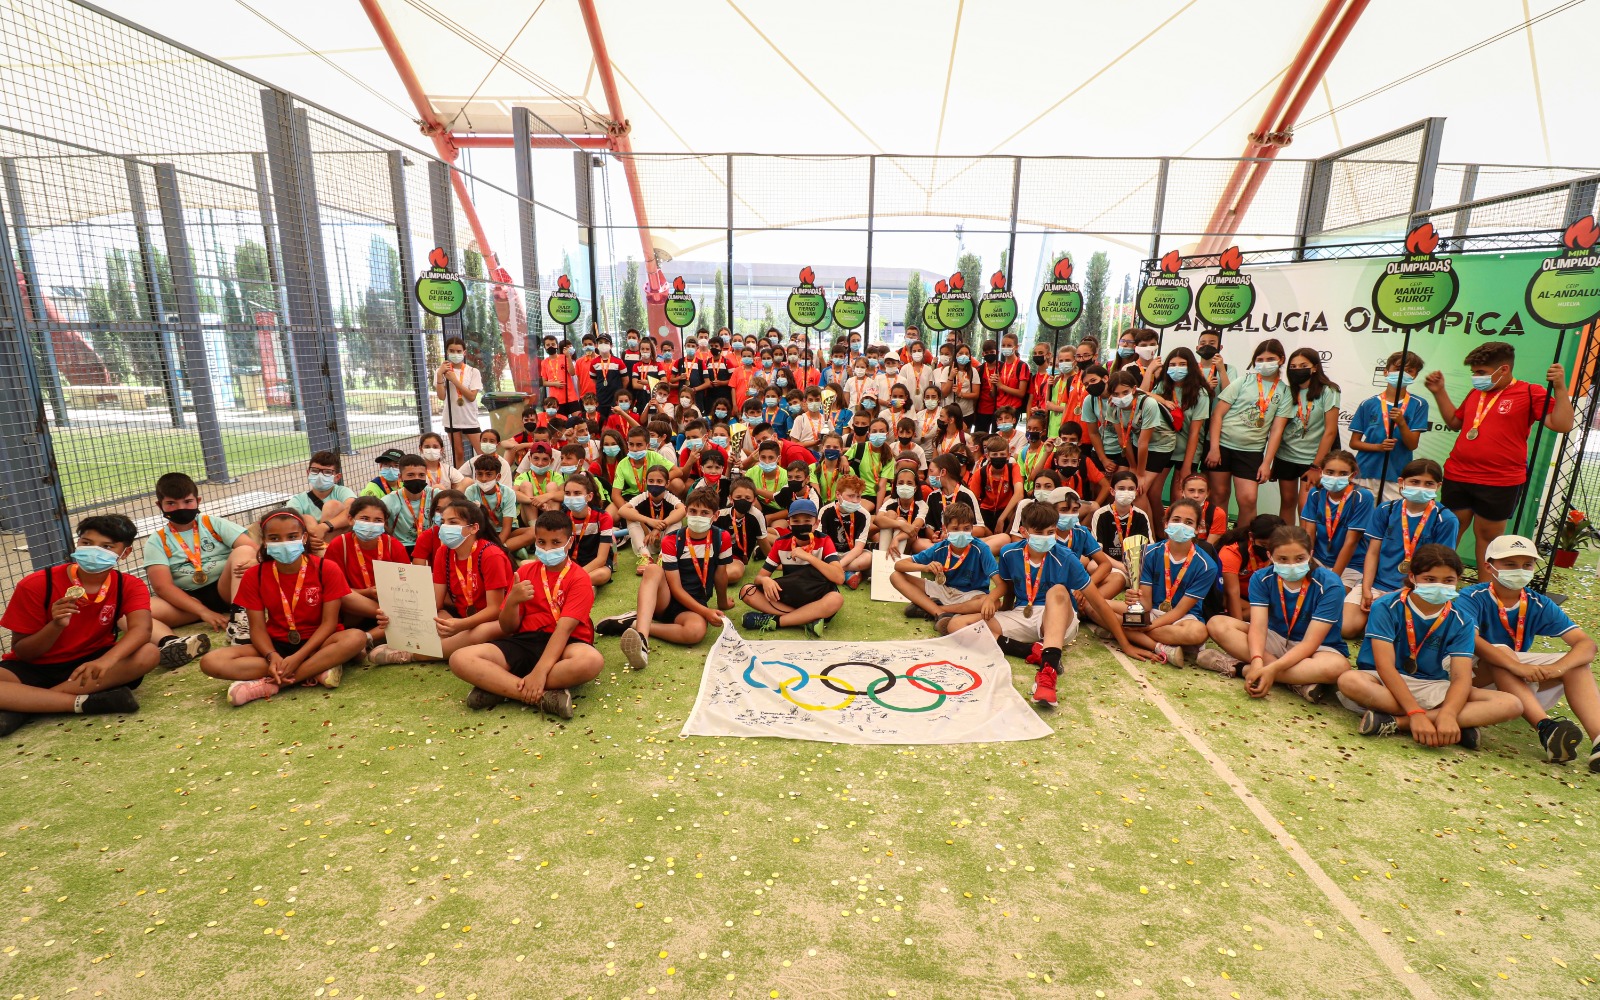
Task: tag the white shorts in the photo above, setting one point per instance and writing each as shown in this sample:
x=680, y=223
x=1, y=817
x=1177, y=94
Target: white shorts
x=1351, y=577
x=1013, y=625
x=1428, y=693
x=940, y=594
x=1371, y=486
x=1354, y=597
x=1548, y=693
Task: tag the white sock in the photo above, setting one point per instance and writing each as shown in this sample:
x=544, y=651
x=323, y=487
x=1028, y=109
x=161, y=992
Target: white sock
x=77, y=703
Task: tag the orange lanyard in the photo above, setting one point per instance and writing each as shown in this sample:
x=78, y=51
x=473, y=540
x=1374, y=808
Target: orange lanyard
x=949, y=566
x=1303, y=408
x=1522, y=619
x=848, y=523
x=494, y=505
x=541, y=485
x=1030, y=579
x=1300, y=605
x=443, y=482
x=416, y=516
x=289, y=607
x=1030, y=466
x=1409, y=538
x=1413, y=647
x=638, y=471
x=579, y=530
x=194, y=556
x=701, y=570
x=469, y=582
x=1124, y=430
x=105, y=588
x=1333, y=512
x=1170, y=585
x=1484, y=408
x=1383, y=411
x=826, y=481
x=552, y=593
x=1122, y=530
x=1263, y=401
x=737, y=522
x=361, y=560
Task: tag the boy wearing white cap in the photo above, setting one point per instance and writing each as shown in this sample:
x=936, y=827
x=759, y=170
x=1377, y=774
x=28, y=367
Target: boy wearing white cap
x=1509, y=617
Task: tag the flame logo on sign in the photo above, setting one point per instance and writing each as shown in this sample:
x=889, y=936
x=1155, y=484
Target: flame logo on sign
x=958, y=281
x=807, y=276
x=1422, y=241
x=1231, y=259
x=997, y=280
x=1581, y=235
x=1171, y=262
x=1064, y=269
x=850, y=285
x=564, y=283
x=439, y=259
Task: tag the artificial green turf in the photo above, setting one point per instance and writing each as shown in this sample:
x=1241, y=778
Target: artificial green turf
x=404, y=846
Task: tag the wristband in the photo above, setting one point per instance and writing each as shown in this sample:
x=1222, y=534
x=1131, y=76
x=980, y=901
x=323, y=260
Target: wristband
x=1416, y=711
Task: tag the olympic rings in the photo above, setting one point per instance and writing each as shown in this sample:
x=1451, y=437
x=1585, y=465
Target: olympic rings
x=888, y=675
x=783, y=689
x=872, y=692
x=916, y=683
x=805, y=678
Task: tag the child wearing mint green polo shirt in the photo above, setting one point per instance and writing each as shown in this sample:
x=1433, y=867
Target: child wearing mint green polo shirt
x=325, y=505
x=409, y=506
x=1305, y=426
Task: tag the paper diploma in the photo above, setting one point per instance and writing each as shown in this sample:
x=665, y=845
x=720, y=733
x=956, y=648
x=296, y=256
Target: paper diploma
x=405, y=593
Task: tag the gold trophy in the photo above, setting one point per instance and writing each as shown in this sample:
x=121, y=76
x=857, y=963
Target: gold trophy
x=1136, y=615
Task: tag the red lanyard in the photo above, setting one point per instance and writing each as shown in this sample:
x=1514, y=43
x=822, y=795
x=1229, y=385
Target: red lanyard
x=1383, y=411
x=1413, y=647
x=289, y=607
x=1122, y=532
x=1522, y=619
x=361, y=560
x=1263, y=401
x=701, y=570
x=1409, y=538
x=552, y=593
x=849, y=524
x=1300, y=605
x=1170, y=585
x=416, y=516
x=950, y=566
x=193, y=557
x=105, y=588
x=1333, y=512
x=1303, y=408
x=469, y=583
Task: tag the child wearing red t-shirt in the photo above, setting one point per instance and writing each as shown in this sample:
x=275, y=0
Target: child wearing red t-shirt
x=66, y=654
x=365, y=544
x=293, y=601
x=547, y=648
x=997, y=484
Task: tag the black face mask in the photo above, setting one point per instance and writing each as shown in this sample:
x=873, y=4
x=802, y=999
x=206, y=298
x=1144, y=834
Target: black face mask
x=1299, y=376
x=183, y=515
x=655, y=489
x=991, y=358
x=905, y=442
x=800, y=531
x=997, y=461
x=1039, y=359
x=1068, y=470
x=742, y=505
x=1206, y=351
x=529, y=425
x=414, y=486
x=943, y=425
x=1096, y=390
x=1034, y=437
x=858, y=430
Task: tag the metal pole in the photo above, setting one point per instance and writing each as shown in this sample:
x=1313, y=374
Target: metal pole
x=444, y=229
x=1427, y=166
x=728, y=276
x=1584, y=424
x=151, y=290
x=1016, y=195
x=521, y=129
x=587, y=205
x=410, y=320
x=330, y=367
x=280, y=286
x=1383, y=469
x=1156, y=221
x=872, y=199
x=196, y=367
x=1549, y=400
x=30, y=269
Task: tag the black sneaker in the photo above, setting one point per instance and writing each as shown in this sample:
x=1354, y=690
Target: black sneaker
x=1594, y=756
x=1560, y=739
x=1376, y=723
x=478, y=698
x=117, y=701
x=181, y=649
x=757, y=621
x=616, y=624
x=10, y=722
x=1469, y=738
x=912, y=611
x=238, y=627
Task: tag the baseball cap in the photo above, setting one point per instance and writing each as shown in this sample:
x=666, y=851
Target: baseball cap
x=392, y=455
x=1511, y=545
x=803, y=506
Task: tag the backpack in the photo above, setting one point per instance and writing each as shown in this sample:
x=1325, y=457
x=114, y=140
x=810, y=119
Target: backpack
x=1171, y=413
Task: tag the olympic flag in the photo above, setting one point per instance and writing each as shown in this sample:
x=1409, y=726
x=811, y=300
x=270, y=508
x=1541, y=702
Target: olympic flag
x=954, y=689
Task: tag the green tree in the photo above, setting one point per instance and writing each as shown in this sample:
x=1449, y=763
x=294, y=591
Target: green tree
x=768, y=320
x=971, y=267
x=1095, y=279
x=632, y=317
x=112, y=347
x=719, y=306
x=916, y=298
x=478, y=325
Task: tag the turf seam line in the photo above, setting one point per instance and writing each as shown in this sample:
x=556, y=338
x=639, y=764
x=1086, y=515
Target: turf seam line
x=1346, y=907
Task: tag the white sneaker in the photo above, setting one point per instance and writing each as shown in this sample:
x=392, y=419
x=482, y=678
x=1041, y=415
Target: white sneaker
x=238, y=629
x=1217, y=660
x=635, y=649
x=1172, y=656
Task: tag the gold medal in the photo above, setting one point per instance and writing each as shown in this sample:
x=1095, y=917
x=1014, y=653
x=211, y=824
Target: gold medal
x=1027, y=611
x=1261, y=421
x=1405, y=565
x=1166, y=605
x=200, y=576
x=76, y=593
x=294, y=637
x=1472, y=435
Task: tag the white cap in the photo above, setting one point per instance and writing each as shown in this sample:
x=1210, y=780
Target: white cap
x=1059, y=495
x=1511, y=545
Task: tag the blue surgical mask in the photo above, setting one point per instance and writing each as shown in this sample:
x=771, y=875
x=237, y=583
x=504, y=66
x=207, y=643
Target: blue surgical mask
x=781, y=382
x=959, y=539
x=934, y=481
x=851, y=507
x=1266, y=369
x=1006, y=352
x=1435, y=593
x=1066, y=522
x=623, y=406
x=567, y=470
x=768, y=467
x=1334, y=484
x=1005, y=428
x=1398, y=380
x=575, y=504
x=320, y=481
x=1483, y=383
x=582, y=439
x=1180, y=533
x=766, y=362
x=814, y=406
x=869, y=404
x=367, y=530
x=694, y=444
x=1293, y=572
x=389, y=475
x=1041, y=543
x=551, y=557
x=721, y=414
x=637, y=456
x=93, y=559
x=438, y=519
x=720, y=440
x=1124, y=352
x=1418, y=494
x=611, y=450
x=1177, y=374
x=286, y=552
x=451, y=535
x=877, y=439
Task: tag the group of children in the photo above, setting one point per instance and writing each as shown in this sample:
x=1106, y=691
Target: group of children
x=993, y=491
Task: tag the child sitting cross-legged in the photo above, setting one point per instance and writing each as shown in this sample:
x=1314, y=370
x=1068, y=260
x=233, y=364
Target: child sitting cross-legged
x=1414, y=672
x=808, y=592
x=548, y=640
x=958, y=575
x=650, y=515
x=590, y=547
x=675, y=594
x=1292, y=637
x=1174, y=578
x=846, y=520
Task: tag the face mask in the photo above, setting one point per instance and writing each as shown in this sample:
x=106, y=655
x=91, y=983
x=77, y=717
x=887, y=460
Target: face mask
x=1124, y=498
x=693, y=444
x=1335, y=484
x=959, y=539
x=94, y=559
x=1066, y=522
x=1034, y=437
x=801, y=532
x=456, y=358
x=588, y=348
x=766, y=362
x=414, y=486
x=963, y=359
x=633, y=341
x=772, y=404
x=1206, y=352
x=935, y=481
x=1515, y=579
x=1068, y=470
x=489, y=447
x=1041, y=543
x=604, y=348
x=930, y=403
x=1266, y=369
x=1180, y=533
x=814, y=406
x=624, y=405
x=286, y=552
x=990, y=357
x=720, y=414
x=1177, y=374
x=1097, y=390
x=655, y=489
x=1299, y=376
x=905, y=492
x=698, y=524
x=611, y=450
x=1292, y=572
x=1435, y=593
x=1040, y=361
x=540, y=468
x=1483, y=383
x=720, y=440
x=849, y=506
x=655, y=442
x=877, y=440
x=781, y=382
x=767, y=467
x=581, y=439
x=742, y=505
x=567, y=470
x=997, y=461
x=751, y=390
x=1124, y=352
x=451, y=535
x=367, y=530
x=1399, y=380
x=320, y=481
x=1068, y=366
x=389, y=475
x=1146, y=352
x=1040, y=493
x=590, y=407
x=1005, y=428
x=916, y=356
x=1418, y=494
x=1006, y=352
x=1122, y=402
x=552, y=410
x=551, y=557
x=637, y=456
x=432, y=454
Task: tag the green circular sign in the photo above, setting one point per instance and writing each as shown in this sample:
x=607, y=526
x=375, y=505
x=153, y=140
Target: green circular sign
x=1060, y=304
x=850, y=311
x=441, y=294
x=1415, y=292
x=1565, y=293
x=679, y=308
x=930, y=314
x=1164, y=301
x=563, y=307
x=956, y=310
x=1221, y=304
x=807, y=307
x=997, y=311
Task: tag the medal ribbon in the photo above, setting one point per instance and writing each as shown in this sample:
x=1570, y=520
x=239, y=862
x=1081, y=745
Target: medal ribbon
x=1031, y=580
x=1522, y=620
x=1413, y=647
x=1383, y=411
x=193, y=557
x=1408, y=538
x=579, y=530
x=105, y=588
x=551, y=593
x=1169, y=584
x=289, y=607
x=469, y=583
x=952, y=566
x=703, y=571
x=1485, y=407
x=416, y=515
x=1300, y=605
x=361, y=560
x=1263, y=400
x=1332, y=513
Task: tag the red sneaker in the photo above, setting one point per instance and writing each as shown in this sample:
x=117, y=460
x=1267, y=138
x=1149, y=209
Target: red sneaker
x=1035, y=655
x=853, y=581
x=1044, y=686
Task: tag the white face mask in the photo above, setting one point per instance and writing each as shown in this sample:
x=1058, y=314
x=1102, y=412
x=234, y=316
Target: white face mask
x=432, y=454
x=488, y=447
x=1124, y=498
x=456, y=358
x=699, y=524
x=1515, y=579
x=1146, y=352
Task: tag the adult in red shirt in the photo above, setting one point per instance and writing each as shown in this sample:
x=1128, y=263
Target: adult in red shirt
x=66, y=654
x=1015, y=380
x=548, y=646
x=1487, y=470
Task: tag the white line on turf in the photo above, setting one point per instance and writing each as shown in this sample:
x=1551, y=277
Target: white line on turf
x=1386, y=950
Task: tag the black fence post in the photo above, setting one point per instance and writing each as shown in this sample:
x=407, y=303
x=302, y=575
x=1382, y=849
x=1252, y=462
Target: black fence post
x=280, y=286
x=150, y=288
x=410, y=312
x=527, y=226
x=30, y=270
x=330, y=368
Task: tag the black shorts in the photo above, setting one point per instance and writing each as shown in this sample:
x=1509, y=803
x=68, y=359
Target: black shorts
x=212, y=600
x=1492, y=503
x=463, y=430
x=991, y=518
x=286, y=649
x=1243, y=464
x=798, y=590
x=1284, y=470
x=522, y=651
x=1116, y=460
x=49, y=675
x=1157, y=461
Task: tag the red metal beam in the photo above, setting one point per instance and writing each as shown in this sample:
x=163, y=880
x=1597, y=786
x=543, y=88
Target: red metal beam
x=656, y=282
x=537, y=141
x=1280, y=97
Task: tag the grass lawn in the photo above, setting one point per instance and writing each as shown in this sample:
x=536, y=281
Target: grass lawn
x=382, y=841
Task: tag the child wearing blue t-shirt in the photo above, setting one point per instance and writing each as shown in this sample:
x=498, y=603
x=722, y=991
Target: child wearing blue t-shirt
x=957, y=575
x=1078, y=539
x=1394, y=531
x=1389, y=424
x=1337, y=512
x=1292, y=637
x=1509, y=617
x=1414, y=672
x=1174, y=578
